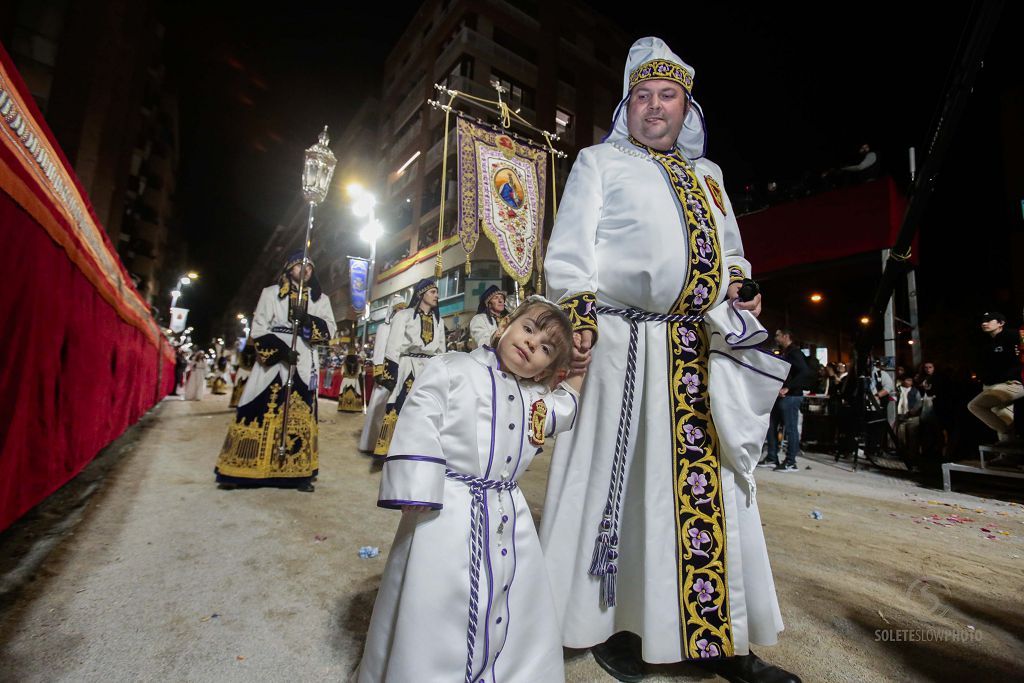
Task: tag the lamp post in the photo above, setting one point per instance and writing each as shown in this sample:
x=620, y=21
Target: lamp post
x=183, y=281
x=363, y=206
x=317, y=170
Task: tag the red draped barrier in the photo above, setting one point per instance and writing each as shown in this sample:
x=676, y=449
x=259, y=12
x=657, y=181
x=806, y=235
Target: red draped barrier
x=81, y=360
x=824, y=227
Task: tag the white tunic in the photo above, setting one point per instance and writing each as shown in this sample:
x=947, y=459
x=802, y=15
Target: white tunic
x=482, y=328
x=620, y=233
x=467, y=415
x=406, y=338
x=196, y=382
x=379, y=397
x=271, y=317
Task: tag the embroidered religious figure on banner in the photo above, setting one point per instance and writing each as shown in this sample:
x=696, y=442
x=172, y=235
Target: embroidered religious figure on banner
x=501, y=183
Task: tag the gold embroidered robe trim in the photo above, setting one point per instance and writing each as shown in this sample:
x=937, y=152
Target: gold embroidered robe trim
x=699, y=514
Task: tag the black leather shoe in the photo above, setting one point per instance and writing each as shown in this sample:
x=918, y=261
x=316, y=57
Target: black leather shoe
x=306, y=488
x=619, y=656
x=746, y=669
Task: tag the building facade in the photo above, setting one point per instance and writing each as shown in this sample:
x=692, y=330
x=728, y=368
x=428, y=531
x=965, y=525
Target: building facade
x=109, y=107
x=559, y=65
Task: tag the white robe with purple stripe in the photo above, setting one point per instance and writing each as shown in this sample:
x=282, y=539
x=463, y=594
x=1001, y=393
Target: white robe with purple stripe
x=465, y=414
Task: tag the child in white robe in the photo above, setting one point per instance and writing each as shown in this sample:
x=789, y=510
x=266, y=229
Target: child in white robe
x=465, y=595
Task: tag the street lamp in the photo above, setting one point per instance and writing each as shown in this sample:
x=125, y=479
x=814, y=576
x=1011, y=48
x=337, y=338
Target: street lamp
x=317, y=171
x=363, y=203
x=183, y=281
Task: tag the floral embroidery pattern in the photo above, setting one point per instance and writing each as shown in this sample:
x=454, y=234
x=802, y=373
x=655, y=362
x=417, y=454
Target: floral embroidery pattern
x=580, y=308
x=700, y=517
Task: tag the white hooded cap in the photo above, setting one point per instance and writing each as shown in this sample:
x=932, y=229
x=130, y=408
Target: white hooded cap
x=650, y=58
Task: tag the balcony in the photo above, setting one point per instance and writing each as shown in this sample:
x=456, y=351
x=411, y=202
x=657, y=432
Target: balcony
x=512, y=9
x=502, y=58
x=400, y=146
x=412, y=102
x=403, y=182
x=433, y=157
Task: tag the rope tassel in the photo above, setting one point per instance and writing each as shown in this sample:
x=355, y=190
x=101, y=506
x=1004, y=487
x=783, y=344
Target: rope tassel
x=599, y=562
x=604, y=562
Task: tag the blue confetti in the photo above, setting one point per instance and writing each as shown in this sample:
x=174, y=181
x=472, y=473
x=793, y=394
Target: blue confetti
x=368, y=551
x=816, y=514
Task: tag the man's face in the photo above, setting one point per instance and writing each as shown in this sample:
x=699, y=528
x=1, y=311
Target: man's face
x=297, y=268
x=430, y=297
x=656, y=112
x=907, y=382
x=782, y=339
x=993, y=326
x=840, y=368
x=496, y=304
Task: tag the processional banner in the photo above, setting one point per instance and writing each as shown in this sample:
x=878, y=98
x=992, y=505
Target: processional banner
x=178, y=318
x=358, y=270
x=500, y=183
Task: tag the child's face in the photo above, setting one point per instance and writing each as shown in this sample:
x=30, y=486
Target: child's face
x=524, y=349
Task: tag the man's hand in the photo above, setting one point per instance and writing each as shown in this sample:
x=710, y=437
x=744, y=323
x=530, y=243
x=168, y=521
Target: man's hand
x=783, y=391
x=754, y=305
x=581, y=355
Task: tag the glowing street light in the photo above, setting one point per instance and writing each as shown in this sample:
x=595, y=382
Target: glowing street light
x=194, y=275
x=371, y=232
x=865, y=320
x=816, y=298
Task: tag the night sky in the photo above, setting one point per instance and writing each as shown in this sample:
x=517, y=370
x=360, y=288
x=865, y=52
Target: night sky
x=786, y=90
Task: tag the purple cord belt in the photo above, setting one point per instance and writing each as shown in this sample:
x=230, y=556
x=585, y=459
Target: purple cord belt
x=478, y=487
x=604, y=562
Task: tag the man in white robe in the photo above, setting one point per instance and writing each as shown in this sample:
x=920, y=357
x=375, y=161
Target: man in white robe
x=417, y=333
x=250, y=455
x=490, y=314
x=379, y=397
x=652, y=537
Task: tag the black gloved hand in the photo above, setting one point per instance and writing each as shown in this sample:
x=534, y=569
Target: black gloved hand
x=290, y=357
x=749, y=289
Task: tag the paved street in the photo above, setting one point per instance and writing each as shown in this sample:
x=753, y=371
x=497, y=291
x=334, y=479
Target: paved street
x=166, y=578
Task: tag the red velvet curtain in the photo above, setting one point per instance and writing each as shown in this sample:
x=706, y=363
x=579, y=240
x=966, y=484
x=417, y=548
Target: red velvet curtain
x=77, y=366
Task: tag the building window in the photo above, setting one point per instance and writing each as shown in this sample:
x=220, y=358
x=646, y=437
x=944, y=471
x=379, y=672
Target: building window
x=451, y=284
x=462, y=68
x=515, y=45
x=563, y=121
x=517, y=95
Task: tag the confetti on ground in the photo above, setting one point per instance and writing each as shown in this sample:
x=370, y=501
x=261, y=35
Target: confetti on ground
x=240, y=658
x=368, y=551
x=969, y=627
x=212, y=616
x=319, y=539
x=883, y=616
x=816, y=514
